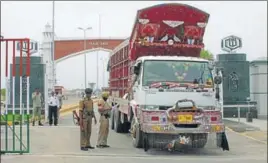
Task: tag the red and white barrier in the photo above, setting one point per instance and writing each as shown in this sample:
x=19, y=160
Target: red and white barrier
x=13, y=42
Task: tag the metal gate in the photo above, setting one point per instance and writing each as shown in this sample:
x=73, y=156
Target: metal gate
x=15, y=133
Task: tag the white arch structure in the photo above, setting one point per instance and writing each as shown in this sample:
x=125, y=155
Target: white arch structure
x=82, y=52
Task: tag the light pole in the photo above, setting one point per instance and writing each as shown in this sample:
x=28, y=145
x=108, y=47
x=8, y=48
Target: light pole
x=85, y=55
x=53, y=47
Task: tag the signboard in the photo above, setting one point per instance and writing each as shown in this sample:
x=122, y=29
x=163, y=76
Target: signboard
x=33, y=46
x=231, y=43
x=98, y=43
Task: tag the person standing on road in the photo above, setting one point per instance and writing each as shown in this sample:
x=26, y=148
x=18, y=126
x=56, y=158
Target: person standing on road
x=53, y=105
x=37, y=106
x=105, y=110
x=86, y=113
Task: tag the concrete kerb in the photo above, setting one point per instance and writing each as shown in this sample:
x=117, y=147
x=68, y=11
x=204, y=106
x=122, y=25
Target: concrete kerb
x=245, y=135
x=71, y=108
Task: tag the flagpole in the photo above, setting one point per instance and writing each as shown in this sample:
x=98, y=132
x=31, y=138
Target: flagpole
x=53, y=46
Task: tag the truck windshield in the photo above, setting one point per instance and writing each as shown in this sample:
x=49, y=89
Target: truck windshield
x=176, y=71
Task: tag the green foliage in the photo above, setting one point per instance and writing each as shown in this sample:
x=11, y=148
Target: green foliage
x=206, y=54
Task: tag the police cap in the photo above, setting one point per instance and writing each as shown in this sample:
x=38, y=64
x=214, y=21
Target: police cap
x=105, y=94
x=88, y=90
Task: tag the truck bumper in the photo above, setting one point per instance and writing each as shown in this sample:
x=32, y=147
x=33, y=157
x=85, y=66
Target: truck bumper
x=176, y=141
x=173, y=129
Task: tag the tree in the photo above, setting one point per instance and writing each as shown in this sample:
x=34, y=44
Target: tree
x=3, y=92
x=206, y=54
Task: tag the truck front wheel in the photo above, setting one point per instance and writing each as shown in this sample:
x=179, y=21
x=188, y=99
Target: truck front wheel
x=112, y=120
x=137, y=136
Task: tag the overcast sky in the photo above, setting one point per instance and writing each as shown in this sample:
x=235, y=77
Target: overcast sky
x=247, y=20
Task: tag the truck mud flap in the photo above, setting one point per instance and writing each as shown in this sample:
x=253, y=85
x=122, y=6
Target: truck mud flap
x=222, y=141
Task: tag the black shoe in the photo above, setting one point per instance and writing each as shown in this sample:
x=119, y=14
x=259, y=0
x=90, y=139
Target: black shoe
x=84, y=149
x=40, y=124
x=55, y=124
x=90, y=147
x=105, y=146
x=99, y=146
x=50, y=124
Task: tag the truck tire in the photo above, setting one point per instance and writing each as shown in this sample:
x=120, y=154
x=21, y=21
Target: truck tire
x=112, y=120
x=199, y=140
x=138, y=140
x=117, y=122
x=126, y=124
x=145, y=142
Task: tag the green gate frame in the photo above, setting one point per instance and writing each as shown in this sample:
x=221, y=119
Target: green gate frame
x=5, y=117
x=23, y=148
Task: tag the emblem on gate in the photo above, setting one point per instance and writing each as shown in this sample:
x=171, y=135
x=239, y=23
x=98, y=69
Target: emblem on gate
x=233, y=82
x=231, y=43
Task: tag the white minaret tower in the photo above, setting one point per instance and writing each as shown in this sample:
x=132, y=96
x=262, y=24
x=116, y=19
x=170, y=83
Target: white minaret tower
x=47, y=45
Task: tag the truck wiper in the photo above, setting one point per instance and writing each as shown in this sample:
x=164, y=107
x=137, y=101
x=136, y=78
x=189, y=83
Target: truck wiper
x=201, y=76
x=166, y=85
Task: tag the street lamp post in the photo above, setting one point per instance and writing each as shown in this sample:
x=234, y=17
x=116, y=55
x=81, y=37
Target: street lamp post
x=53, y=47
x=85, y=55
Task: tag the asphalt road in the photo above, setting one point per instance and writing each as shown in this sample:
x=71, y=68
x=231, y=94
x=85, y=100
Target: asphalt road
x=60, y=144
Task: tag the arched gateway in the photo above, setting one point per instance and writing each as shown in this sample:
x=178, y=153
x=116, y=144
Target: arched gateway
x=68, y=48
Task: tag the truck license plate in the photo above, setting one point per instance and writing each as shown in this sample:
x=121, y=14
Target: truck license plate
x=185, y=118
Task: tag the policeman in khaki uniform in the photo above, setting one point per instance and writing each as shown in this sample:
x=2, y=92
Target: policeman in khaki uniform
x=105, y=110
x=86, y=113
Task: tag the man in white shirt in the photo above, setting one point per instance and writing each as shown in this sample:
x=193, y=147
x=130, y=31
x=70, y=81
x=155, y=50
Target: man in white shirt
x=53, y=105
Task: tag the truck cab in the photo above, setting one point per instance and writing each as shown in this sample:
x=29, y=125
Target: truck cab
x=161, y=81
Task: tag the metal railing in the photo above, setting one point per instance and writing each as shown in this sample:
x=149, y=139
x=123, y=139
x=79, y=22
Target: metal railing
x=239, y=109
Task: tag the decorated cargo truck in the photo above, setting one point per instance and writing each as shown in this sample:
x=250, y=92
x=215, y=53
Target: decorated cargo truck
x=161, y=91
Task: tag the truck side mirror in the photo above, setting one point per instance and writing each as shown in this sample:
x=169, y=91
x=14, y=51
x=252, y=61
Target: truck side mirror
x=217, y=95
x=137, y=68
x=217, y=79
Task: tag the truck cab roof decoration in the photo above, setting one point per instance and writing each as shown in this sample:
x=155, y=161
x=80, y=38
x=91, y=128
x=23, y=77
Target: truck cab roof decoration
x=173, y=23
x=144, y=21
x=168, y=28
